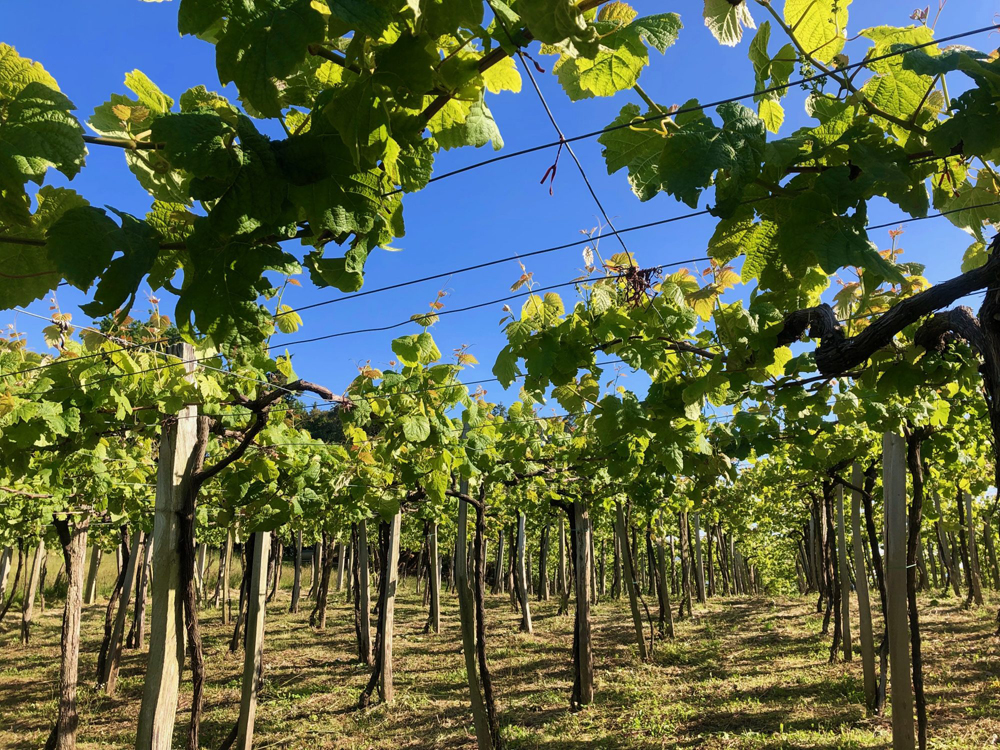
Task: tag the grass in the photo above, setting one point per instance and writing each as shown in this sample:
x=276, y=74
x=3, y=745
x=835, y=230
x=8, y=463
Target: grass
x=745, y=673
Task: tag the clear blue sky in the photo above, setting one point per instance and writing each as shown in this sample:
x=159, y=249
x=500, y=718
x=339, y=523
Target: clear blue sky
x=492, y=212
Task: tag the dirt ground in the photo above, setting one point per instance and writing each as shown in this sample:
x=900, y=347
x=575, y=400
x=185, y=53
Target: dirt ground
x=745, y=673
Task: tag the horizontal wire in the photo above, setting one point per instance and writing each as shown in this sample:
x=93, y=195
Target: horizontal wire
x=371, y=397
x=424, y=316
x=477, y=306
x=702, y=107
x=156, y=352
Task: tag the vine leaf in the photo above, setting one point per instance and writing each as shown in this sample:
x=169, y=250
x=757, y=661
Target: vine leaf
x=258, y=51
x=726, y=20
x=819, y=25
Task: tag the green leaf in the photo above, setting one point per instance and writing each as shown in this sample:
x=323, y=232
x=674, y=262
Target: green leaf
x=611, y=71
x=465, y=124
x=636, y=148
x=819, y=25
x=347, y=200
x=505, y=368
x=81, y=244
x=416, y=349
x=345, y=274
x=502, y=77
x=198, y=16
x=361, y=116
x=148, y=93
x=618, y=12
x=257, y=52
x=689, y=159
x=29, y=270
x=542, y=312
x=287, y=320
x=553, y=21
x=693, y=154
x=198, y=142
x=975, y=256
x=771, y=113
x=835, y=241
x=416, y=428
x=726, y=20
x=370, y=17
x=659, y=31
x=735, y=237
x=16, y=72
x=972, y=208
x=139, y=245
x=416, y=165
x=37, y=132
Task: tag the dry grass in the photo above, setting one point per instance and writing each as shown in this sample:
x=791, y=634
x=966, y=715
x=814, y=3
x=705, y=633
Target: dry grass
x=745, y=674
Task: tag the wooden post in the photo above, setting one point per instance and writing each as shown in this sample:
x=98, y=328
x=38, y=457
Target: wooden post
x=630, y=582
x=946, y=557
x=73, y=540
x=110, y=677
x=435, y=579
x=364, y=592
x=845, y=578
x=894, y=483
x=991, y=553
x=227, y=572
x=666, y=615
x=28, y=606
x=199, y=572
x=585, y=654
x=391, y=573
x=166, y=630
x=593, y=567
x=974, y=569
x=522, y=585
x=90, y=592
x=341, y=554
x=498, y=568
x=864, y=603
x=5, y=563
x=253, y=657
x=297, y=582
x=466, y=614
x=348, y=569
x=561, y=576
x=699, y=560
x=140, y=601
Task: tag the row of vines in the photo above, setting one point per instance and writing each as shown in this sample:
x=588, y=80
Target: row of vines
x=173, y=439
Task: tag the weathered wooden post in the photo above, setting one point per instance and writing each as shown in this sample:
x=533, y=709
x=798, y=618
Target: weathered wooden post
x=894, y=489
x=864, y=603
x=845, y=578
x=166, y=627
x=253, y=658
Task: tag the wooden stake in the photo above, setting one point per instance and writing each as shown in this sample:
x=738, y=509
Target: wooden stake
x=845, y=578
x=166, y=628
x=864, y=603
x=253, y=659
x=894, y=484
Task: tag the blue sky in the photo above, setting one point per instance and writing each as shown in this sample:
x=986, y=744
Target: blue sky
x=492, y=212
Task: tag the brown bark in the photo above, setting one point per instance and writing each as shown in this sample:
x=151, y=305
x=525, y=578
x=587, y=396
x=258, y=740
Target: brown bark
x=915, y=465
x=73, y=540
x=479, y=598
x=17, y=577
x=109, y=615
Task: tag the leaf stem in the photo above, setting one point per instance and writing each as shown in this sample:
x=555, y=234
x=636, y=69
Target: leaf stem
x=126, y=143
x=645, y=97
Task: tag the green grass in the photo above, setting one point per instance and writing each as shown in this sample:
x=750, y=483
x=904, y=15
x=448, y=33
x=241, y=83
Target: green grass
x=745, y=673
